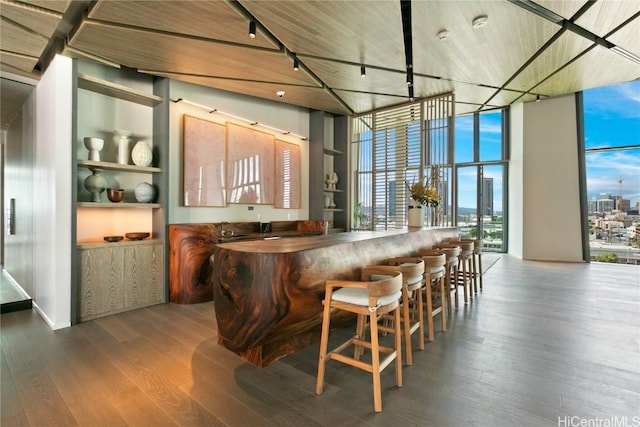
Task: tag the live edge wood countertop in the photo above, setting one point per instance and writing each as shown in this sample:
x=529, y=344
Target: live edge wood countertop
x=268, y=293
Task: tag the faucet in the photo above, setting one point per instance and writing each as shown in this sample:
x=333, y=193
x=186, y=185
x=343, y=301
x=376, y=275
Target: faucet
x=223, y=232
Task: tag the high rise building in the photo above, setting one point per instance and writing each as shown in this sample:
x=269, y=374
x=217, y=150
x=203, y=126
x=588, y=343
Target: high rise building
x=487, y=197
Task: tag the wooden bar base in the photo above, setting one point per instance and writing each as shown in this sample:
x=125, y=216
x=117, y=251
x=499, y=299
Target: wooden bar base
x=191, y=245
x=268, y=294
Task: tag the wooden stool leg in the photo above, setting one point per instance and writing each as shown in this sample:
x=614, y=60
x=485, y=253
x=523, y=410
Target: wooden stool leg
x=480, y=268
x=324, y=339
x=447, y=284
x=398, y=350
x=420, y=318
x=455, y=281
x=474, y=273
x=407, y=325
x=464, y=280
x=375, y=359
x=361, y=331
x=429, y=310
x=443, y=318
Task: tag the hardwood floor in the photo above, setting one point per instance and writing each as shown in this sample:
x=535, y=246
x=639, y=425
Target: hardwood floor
x=542, y=341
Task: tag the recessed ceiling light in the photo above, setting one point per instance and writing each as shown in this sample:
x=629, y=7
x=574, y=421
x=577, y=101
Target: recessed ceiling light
x=480, y=21
x=442, y=34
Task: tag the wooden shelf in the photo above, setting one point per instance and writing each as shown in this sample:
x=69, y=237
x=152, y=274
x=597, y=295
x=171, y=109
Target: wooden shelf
x=123, y=242
x=332, y=152
x=327, y=190
x=125, y=205
x=332, y=210
x=115, y=90
x=118, y=166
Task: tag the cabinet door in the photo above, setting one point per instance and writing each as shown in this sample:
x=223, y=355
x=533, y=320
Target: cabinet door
x=143, y=281
x=100, y=281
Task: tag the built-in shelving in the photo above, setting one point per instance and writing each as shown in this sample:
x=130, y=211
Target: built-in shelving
x=115, y=277
x=118, y=167
x=116, y=90
x=333, y=210
x=335, y=190
x=332, y=152
x=110, y=205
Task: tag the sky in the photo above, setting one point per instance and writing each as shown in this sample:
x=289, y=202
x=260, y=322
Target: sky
x=612, y=119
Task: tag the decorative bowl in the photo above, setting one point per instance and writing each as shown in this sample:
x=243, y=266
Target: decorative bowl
x=112, y=238
x=115, y=194
x=136, y=236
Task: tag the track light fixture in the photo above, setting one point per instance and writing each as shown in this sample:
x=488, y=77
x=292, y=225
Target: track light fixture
x=240, y=119
x=252, y=29
x=537, y=98
x=410, y=75
x=363, y=71
x=296, y=63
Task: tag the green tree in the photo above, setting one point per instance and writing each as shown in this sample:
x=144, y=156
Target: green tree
x=607, y=258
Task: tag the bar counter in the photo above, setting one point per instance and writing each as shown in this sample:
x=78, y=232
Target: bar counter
x=268, y=293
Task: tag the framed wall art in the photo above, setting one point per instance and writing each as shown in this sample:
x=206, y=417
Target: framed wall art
x=204, y=162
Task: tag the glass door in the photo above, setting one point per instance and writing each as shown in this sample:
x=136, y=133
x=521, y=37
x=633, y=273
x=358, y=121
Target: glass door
x=479, y=204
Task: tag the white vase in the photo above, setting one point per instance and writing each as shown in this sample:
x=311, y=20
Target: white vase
x=327, y=201
x=95, y=184
x=416, y=214
x=141, y=154
x=144, y=192
x=94, y=145
x=123, y=145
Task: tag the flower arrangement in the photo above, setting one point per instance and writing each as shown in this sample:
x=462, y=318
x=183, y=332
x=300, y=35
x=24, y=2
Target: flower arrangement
x=424, y=191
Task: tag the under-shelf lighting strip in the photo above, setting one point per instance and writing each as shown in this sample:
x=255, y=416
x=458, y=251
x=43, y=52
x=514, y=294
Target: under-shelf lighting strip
x=250, y=122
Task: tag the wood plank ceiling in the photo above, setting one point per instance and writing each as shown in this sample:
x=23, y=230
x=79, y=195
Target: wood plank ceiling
x=526, y=49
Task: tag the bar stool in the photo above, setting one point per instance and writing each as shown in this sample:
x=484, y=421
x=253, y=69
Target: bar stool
x=368, y=299
x=464, y=259
x=467, y=262
x=412, y=269
x=477, y=263
x=435, y=267
x=451, y=272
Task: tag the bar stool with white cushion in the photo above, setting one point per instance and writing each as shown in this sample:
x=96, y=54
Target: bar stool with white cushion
x=368, y=298
x=452, y=253
x=468, y=263
x=465, y=266
x=412, y=270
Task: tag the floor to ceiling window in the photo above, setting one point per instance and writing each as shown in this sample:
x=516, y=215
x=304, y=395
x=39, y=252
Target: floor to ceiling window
x=480, y=170
x=612, y=158
x=391, y=150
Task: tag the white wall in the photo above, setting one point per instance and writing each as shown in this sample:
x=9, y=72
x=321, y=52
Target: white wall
x=550, y=197
x=52, y=194
x=272, y=113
